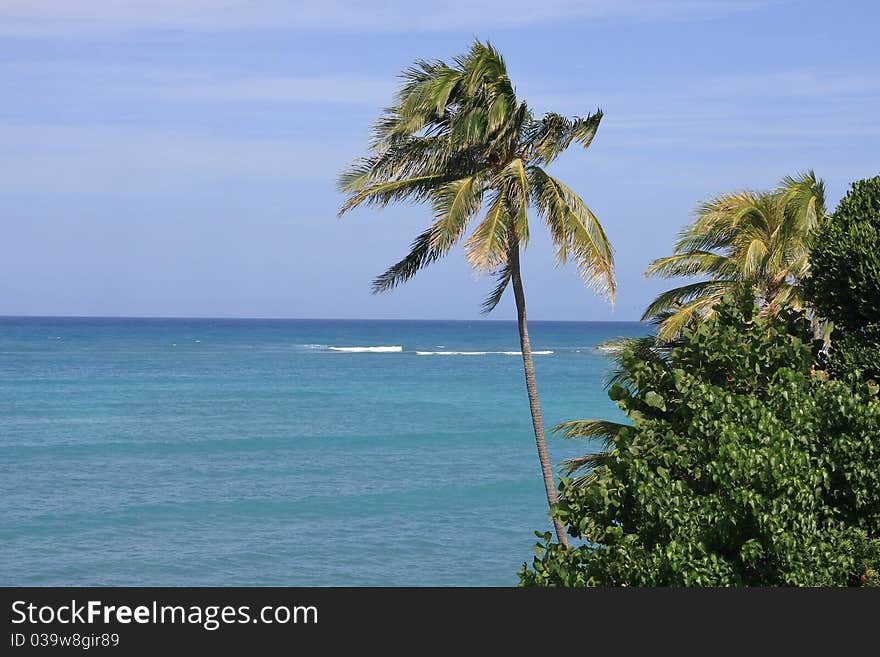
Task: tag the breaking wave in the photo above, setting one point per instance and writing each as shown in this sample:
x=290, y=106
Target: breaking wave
x=480, y=353
x=377, y=350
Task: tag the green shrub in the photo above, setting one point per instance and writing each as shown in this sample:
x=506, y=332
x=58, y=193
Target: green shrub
x=844, y=284
x=740, y=468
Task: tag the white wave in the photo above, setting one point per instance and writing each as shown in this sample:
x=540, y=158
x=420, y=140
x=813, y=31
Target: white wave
x=479, y=353
x=377, y=350
x=452, y=353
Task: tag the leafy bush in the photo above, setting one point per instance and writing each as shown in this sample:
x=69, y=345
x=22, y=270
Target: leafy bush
x=740, y=468
x=845, y=279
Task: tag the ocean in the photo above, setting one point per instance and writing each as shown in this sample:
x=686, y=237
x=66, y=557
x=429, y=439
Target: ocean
x=200, y=452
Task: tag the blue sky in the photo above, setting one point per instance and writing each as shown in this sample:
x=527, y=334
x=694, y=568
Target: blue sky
x=178, y=157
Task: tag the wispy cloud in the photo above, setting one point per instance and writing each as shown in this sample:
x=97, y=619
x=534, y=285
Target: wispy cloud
x=771, y=112
x=118, y=160
x=331, y=89
x=768, y=109
x=72, y=18
x=217, y=86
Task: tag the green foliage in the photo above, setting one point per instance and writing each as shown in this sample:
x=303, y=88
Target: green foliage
x=856, y=354
x=741, y=241
x=844, y=284
x=740, y=468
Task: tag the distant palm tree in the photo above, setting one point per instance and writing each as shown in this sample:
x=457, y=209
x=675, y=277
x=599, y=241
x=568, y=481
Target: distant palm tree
x=744, y=239
x=457, y=135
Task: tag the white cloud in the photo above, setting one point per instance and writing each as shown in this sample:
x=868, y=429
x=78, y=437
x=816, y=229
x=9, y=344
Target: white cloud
x=77, y=17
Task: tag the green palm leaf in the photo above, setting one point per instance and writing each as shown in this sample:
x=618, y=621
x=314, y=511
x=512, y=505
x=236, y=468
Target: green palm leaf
x=419, y=188
x=576, y=231
x=421, y=254
x=502, y=278
x=486, y=248
x=745, y=239
x=516, y=179
x=553, y=134
x=603, y=429
x=692, y=263
x=702, y=294
x=454, y=205
x=588, y=464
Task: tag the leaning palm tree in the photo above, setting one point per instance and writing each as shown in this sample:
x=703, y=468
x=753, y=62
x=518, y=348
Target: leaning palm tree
x=458, y=138
x=744, y=239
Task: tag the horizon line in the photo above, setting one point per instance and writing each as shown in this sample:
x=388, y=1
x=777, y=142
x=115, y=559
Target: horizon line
x=316, y=319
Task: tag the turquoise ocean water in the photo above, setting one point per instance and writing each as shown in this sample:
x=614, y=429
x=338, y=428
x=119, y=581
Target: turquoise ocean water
x=279, y=452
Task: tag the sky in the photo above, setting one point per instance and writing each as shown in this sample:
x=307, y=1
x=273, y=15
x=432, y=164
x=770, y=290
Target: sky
x=179, y=157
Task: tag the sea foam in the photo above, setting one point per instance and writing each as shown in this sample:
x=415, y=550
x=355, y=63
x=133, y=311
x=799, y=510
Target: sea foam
x=378, y=350
x=480, y=353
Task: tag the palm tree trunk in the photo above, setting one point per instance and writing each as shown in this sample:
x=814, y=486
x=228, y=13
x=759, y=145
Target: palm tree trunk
x=531, y=386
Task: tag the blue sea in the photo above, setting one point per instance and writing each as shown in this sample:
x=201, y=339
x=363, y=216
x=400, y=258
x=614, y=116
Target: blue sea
x=281, y=452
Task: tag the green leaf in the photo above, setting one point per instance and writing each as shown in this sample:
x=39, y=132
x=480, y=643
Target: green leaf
x=655, y=400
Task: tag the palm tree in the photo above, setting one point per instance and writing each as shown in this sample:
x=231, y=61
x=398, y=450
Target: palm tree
x=456, y=137
x=745, y=239
x=737, y=240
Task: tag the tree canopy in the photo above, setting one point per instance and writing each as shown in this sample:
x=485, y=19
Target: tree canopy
x=756, y=241
x=844, y=284
x=458, y=138
x=739, y=468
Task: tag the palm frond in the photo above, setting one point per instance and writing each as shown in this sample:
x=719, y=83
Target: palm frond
x=647, y=349
x=692, y=263
x=603, y=429
x=553, y=134
x=670, y=323
x=674, y=309
x=704, y=293
x=502, y=277
x=419, y=188
x=486, y=248
x=588, y=464
x=754, y=260
x=421, y=254
x=576, y=231
x=516, y=180
x=717, y=223
x=804, y=200
x=410, y=157
x=786, y=297
x=454, y=204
